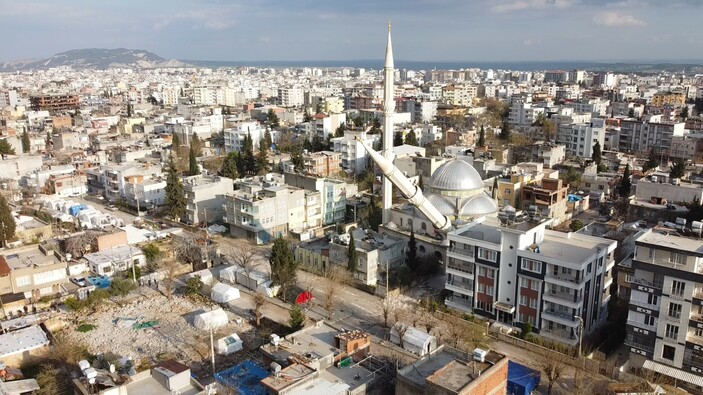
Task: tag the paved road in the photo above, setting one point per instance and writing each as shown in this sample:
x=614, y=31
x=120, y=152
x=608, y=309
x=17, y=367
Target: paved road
x=101, y=205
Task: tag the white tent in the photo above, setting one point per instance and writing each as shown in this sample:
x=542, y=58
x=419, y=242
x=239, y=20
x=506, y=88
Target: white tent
x=205, y=276
x=223, y=293
x=415, y=340
x=268, y=289
x=229, y=344
x=229, y=274
x=211, y=319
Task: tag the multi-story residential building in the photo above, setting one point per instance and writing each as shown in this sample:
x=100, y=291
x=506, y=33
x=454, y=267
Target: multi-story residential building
x=56, y=102
x=523, y=112
x=31, y=272
x=376, y=253
x=234, y=137
x=354, y=157
x=676, y=99
x=547, y=153
x=262, y=211
x=74, y=140
x=459, y=95
x=322, y=164
x=68, y=184
x=689, y=146
x=596, y=107
x=326, y=125
x=519, y=273
x=512, y=180
x=556, y=76
x=546, y=198
x=291, y=97
x=665, y=321
x=204, y=198
x=642, y=136
x=580, y=138
x=421, y=111
x=333, y=195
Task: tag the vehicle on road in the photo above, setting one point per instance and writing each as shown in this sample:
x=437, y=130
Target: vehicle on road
x=80, y=281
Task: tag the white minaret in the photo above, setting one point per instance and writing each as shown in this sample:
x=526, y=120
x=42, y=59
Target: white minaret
x=388, y=110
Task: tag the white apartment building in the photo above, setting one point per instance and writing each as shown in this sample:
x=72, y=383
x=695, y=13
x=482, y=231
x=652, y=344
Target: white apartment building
x=354, y=156
x=204, y=197
x=523, y=113
x=375, y=253
x=524, y=273
x=234, y=137
x=420, y=111
x=665, y=321
x=333, y=196
x=596, y=107
x=325, y=125
x=262, y=212
x=291, y=97
x=579, y=138
x=642, y=136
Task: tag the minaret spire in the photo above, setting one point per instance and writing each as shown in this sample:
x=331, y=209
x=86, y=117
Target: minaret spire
x=387, y=137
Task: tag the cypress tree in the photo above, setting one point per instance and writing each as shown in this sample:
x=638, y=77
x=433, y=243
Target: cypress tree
x=193, y=168
x=397, y=139
x=175, y=143
x=248, y=155
x=597, y=155
x=7, y=222
x=229, y=166
x=284, y=267
x=482, y=137
x=352, y=258
x=411, y=252
x=411, y=138
x=26, y=144
x=175, y=197
x=625, y=183
x=505, y=131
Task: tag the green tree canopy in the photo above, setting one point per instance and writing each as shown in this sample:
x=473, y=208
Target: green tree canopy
x=193, y=168
x=26, y=144
x=229, y=166
x=339, y=132
x=6, y=148
x=175, y=201
x=625, y=182
x=482, y=138
x=678, y=169
x=505, y=131
x=652, y=161
x=284, y=268
x=411, y=252
x=352, y=258
x=273, y=119
x=297, y=318
x=597, y=156
x=411, y=138
x=7, y=222
x=397, y=139
x=247, y=155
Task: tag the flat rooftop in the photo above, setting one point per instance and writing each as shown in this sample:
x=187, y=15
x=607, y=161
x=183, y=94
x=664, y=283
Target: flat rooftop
x=689, y=244
x=30, y=256
x=22, y=340
x=456, y=375
x=314, y=341
x=570, y=246
x=479, y=231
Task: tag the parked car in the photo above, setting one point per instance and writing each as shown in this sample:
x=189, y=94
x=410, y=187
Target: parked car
x=112, y=208
x=80, y=281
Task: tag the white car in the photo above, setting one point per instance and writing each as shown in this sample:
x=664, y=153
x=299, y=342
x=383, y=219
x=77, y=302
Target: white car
x=80, y=281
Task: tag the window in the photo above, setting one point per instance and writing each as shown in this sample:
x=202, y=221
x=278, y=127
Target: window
x=507, y=191
x=672, y=331
x=482, y=288
x=531, y=265
x=652, y=299
x=677, y=287
x=524, y=283
x=23, y=281
x=674, y=310
x=487, y=255
x=698, y=332
x=533, y=303
x=679, y=259
x=489, y=290
x=534, y=285
x=523, y=300
x=649, y=320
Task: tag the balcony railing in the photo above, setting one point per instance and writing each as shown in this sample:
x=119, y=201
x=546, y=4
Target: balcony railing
x=647, y=283
x=565, y=278
x=672, y=318
x=465, y=285
x=566, y=296
x=560, y=315
x=692, y=338
x=562, y=333
x=697, y=317
x=644, y=304
x=632, y=343
x=698, y=293
x=642, y=325
x=462, y=268
x=462, y=251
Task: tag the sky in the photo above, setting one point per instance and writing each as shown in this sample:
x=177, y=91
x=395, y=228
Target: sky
x=423, y=30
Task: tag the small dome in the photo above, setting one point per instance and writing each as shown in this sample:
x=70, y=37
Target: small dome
x=479, y=205
x=444, y=206
x=456, y=175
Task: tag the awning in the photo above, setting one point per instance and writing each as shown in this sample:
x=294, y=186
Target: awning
x=504, y=307
x=673, y=372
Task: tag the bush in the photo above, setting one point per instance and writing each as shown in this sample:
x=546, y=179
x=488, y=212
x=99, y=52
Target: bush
x=85, y=327
x=194, y=286
x=122, y=286
x=74, y=304
x=297, y=318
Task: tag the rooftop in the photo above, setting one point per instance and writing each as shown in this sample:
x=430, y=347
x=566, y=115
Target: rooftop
x=22, y=340
x=26, y=257
x=312, y=342
x=571, y=246
x=688, y=244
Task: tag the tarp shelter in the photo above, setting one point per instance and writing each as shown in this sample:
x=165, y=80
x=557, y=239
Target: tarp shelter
x=223, y=293
x=229, y=344
x=521, y=379
x=229, y=274
x=415, y=340
x=205, y=276
x=211, y=319
x=268, y=289
x=304, y=297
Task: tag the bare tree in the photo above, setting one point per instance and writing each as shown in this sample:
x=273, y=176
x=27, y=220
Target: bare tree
x=80, y=243
x=246, y=257
x=427, y=320
x=170, y=268
x=188, y=248
x=334, y=276
x=401, y=329
x=259, y=301
x=454, y=331
x=386, y=309
x=553, y=367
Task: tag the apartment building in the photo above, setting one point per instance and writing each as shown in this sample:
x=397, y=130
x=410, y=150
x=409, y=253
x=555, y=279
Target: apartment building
x=642, y=136
x=263, y=211
x=546, y=198
x=520, y=272
x=332, y=199
x=30, y=272
x=689, y=146
x=204, y=197
x=420, y=111
x=234, y=137
x=665, y=321
x=375, y=252
x=322, y=164
x=354, y=158
x=55, y=102
x=579, y=138
x=326, y=125
x=676, y=99
x=291, y=97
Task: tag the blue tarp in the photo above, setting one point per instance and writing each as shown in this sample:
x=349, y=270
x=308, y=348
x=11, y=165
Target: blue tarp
x=575, y=198
x=245, y=378
x=521, y=379
x=74, y=210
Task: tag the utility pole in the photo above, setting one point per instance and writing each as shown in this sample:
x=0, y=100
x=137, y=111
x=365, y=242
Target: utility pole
x=212, y=349
x=580, y=337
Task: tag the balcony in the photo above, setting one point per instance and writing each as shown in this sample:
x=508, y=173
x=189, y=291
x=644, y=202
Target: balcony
x=462, y=252
x=698, y=293
x=642, y=325
x=559, y=317
x=697, y=317
x=639, y=346
x=646, y=283
x=563, y=279
x=466, y=269
x=692, y=338
x=563, y=297
x=644, y=305
x=672, y=318
x=459, y=303
x=464, y=287
x=560, y=335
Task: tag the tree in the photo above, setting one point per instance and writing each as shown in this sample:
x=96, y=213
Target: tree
x=175, y=143
x=375, y=126
x=283, y=265
x=296, y=159
x=259, y=301
x=352, y=258
x=7, y=222
x=152, y=254
x=169, y=267
x=552, y=367
x=6, y=148
x=505, y=131
x=625, y=182
x=48, y=380
x=246, y=258
x=494, y=190
x=411, y=252
x=387, y=305
x=375, y=214
x=684, y=113
x=175, y=197
x=695, y=211
x=401, y=329
x=575, y=225
x=79, y=243
x=319, y=109
x=129, y=110
x=229, y=166
x=678, y=169
x=411, y=138
x=262, y=161
x=26, y=144
x=272, y=119
x=652, y=161
x=247, y=155
x=121, y=286
x=193, y=168
x=549, y=129
x=297, y=318
x=196, y=145
x=306, y=115
x=631, y=113
x=482, y=137
x=339, y=132
x=397, y=139
x=194, y=286
x=597, y=155
x=266, y=142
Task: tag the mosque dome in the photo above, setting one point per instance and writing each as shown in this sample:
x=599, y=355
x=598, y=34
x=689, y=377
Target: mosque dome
x=445, y=207
x=478, y=205
x=456, y=175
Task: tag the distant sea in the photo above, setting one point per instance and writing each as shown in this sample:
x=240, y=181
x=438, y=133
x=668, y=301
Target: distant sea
x=634, y=66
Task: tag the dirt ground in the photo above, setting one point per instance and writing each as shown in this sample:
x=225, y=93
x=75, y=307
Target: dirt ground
x=173, y=337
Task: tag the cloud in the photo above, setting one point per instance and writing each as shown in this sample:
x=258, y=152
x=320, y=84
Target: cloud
x=210, y=19
x=615, y=19
x=522, y=5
